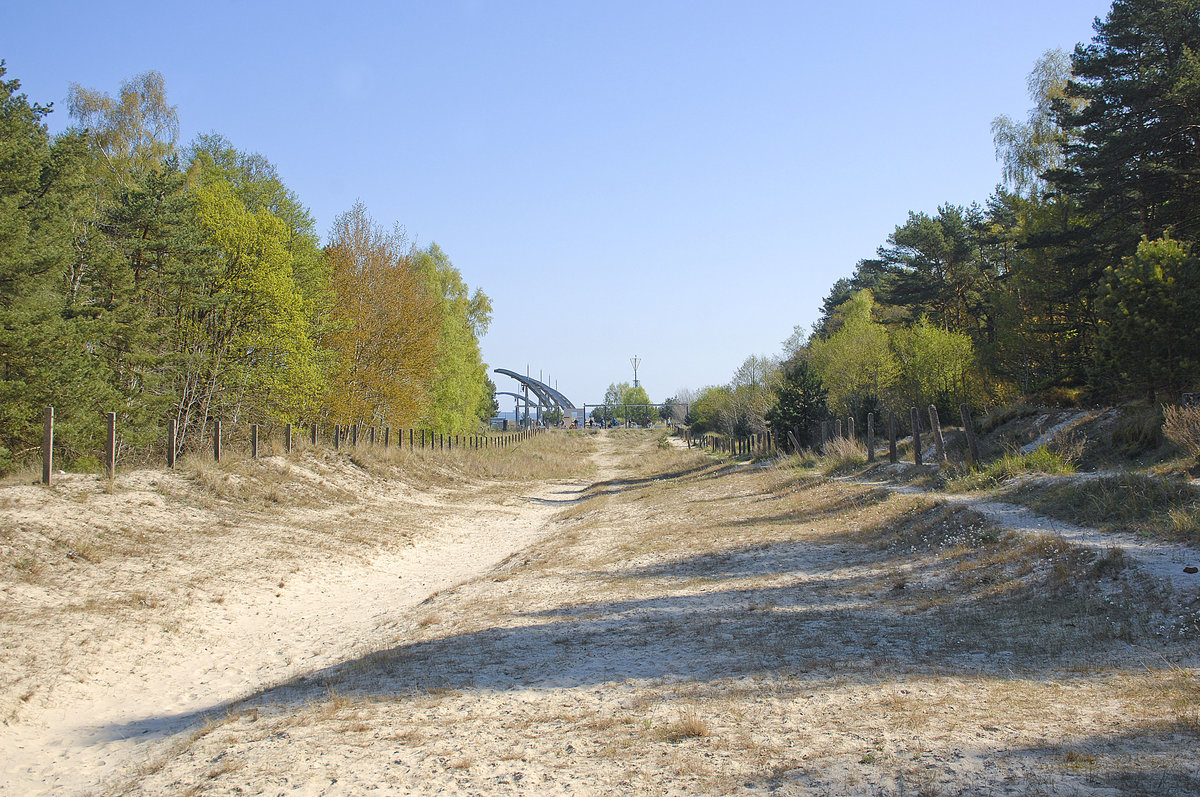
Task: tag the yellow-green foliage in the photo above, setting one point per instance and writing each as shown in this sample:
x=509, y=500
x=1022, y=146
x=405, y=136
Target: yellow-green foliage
x=856, y=360
x=460, y=384
x=257, y=335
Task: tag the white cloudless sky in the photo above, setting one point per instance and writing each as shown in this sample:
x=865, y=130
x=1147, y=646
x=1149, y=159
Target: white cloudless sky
x=682, y=181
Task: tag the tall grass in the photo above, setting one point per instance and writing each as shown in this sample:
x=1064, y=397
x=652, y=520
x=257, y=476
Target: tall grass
x=843, y=454
x=1042, y=460
x=1156, y=506
x=1181, y=425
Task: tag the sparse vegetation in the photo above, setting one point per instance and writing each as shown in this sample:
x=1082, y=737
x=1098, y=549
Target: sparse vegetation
x=1042, y=460
x=1166, y=507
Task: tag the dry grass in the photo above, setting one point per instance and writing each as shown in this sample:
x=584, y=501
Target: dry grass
x=1181, y=425
x=842, y=455
x=727, y=629
x=1165, y=507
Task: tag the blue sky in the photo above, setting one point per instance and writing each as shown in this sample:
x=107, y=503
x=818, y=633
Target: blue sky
x=682, y=181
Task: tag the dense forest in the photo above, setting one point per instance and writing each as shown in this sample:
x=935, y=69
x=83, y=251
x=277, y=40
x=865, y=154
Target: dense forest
x=1078, y=280
x=163, y=282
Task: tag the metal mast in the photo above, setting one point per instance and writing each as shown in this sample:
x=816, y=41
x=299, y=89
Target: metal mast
x=635, y=361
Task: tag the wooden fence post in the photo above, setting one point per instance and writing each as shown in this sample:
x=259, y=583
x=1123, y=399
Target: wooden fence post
x=870, y=437
x=892, y=456
x=216, y=441
x=837, y=429
x=110, y=446
x=935, y=424
x=850, y=427
x=337, y=436
x=354, y=435
x=172, y=436
x=47, y=445
x=287, y=439
x=969, y=430
x=422, y=439
x=915, y=417
x=312, y=433
x=254, y=441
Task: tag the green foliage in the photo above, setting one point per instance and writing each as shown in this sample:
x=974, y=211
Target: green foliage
x=936, y=366
x=45, y=355
x=617, y=398
x=1150, y=304
x=460, y=387
x=1042, y=460
x=1132, y=157
x=856, y=363
x=800, y=404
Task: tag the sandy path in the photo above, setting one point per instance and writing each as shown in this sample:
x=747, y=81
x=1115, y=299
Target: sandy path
x=257, y=637
x=1163, y=560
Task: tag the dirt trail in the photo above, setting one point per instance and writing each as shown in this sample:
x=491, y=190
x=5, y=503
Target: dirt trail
x=152, y=687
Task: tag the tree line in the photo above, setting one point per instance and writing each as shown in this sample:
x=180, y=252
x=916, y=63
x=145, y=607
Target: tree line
x=1077, y=280
x=190, y=283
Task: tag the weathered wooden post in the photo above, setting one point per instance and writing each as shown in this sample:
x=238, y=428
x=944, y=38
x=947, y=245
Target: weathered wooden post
x=47, y=444
x=337, y=436
x=422, y=439
x=935, y=424
x=915, y=417
x=354, y=435
x=870, y=437
x=837, y=429
x=254, y=441
x=172, y=437
x=217, y=440
x=312, y=433
x=110, y=446
x=371, y=439
x=287, y=439
x=893, y=457
x=387, y=436
x=969, y=430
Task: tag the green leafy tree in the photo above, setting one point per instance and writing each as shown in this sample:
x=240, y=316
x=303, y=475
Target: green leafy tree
x=856, y=364
x=1032, y=148
x=261, y=361
x=936, y=366
x=460, y=382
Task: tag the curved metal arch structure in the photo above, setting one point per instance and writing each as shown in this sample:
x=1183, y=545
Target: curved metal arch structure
x=517, y=396
x=546, y=394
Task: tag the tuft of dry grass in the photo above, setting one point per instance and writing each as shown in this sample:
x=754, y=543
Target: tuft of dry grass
x=688, y=725
x=1181, y=425
x=842, y=455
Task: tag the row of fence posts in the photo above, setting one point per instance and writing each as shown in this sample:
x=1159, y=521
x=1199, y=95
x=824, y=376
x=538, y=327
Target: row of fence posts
x=341, y=434
x=764, y=444
x=755, y=445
